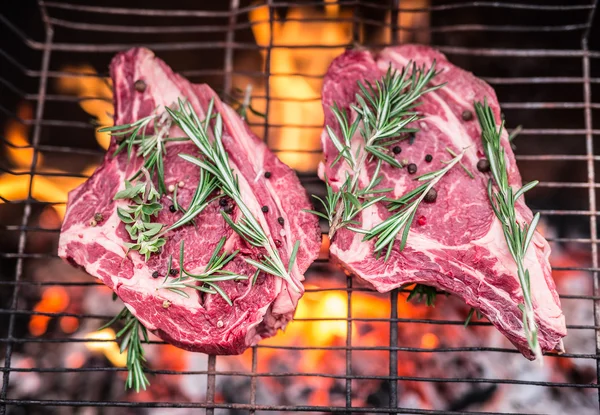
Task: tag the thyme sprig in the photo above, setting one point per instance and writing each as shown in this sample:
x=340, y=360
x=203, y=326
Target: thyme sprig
x=406, y=206
x=503, y=198
x=213, y=273
x=384, y=110
x=216, y=162
x=148, y=235
x=138, y=214
x=132, y=335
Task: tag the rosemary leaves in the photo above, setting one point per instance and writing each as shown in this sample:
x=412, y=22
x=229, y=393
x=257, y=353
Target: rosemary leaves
x=518, y=235
x=213, y=272
x=132, y=335
x=400, y=222
x=216, y=162
x=384, y=110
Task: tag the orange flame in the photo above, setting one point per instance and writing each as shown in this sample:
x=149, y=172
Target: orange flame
x=54, y=300
x=95, y=95
x=297, y=97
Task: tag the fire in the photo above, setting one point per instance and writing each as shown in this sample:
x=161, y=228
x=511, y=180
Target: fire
x=95, y=95
x=54, y=300
x=110, y=349
x=296, y=98
x=429, y=341
x=43, y=188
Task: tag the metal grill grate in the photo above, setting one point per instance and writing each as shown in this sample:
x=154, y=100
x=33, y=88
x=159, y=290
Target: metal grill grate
x=67, y=28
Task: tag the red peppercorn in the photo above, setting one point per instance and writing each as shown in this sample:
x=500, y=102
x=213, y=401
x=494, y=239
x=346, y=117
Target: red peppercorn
x=278, y=243
x=422, y=221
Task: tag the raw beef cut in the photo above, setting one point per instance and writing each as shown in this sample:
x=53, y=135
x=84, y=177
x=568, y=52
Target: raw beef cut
x=455, y=244
x=202, y=322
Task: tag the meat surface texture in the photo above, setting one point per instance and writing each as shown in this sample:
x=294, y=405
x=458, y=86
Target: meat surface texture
x=202, y=322
x=455, y=244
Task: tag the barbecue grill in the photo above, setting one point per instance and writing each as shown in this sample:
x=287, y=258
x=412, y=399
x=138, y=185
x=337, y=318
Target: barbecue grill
x=541, y=57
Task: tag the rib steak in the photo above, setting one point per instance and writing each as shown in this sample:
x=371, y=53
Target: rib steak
x=455, y=244
x=202, y=322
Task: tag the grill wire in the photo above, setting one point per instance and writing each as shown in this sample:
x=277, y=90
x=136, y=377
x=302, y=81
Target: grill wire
x=42, y=99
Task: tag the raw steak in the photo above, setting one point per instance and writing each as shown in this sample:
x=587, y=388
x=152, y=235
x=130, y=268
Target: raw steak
x=455, y=244
x=203, y=322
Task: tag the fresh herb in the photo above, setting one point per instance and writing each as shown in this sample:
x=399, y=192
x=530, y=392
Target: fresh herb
x=213, y=272
x=518, y=235
x=406, y=206
x=422, y=292
x=137, y=216
x=132, y=335
x=216, y=162
x=453, y=154
x=384, y=110
x=148, y=236
x=150, y=147
x=472, y=312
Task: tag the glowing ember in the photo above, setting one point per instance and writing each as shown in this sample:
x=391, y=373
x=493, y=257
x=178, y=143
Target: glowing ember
x=110, y=349
x=54, y=300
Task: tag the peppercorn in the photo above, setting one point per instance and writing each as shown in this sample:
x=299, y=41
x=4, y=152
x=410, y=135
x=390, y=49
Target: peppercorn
x=483, y=165
x=411, y=137
x=173, y=271
x=267, y=174
x=260, y=256
x=228, y=209
x=280, y=220
x=140, y=86
x=467, y=115
x=428, y=158
x=278, y=243
x=223, y=202
x=430, y=196
x=397, y=150
x=412, y=168
x=155, y=274
x=172, y=209
x=98, y=217
x=265, y=209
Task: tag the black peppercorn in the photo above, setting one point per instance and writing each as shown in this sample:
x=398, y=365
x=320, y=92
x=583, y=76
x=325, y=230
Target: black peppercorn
x=267, y=174
x=428, y=158
x=228, y=209
x=412, y=168
x=397, y=150
x=140, y=86
x=411, y=137
x=173, y=271
x=467, y=115
x=431, y=196
x=172, y=209
x=280, y=220
x=265, y=209
x=98, y=217
x=155, y=274
x=223, y=202
x=483, y=165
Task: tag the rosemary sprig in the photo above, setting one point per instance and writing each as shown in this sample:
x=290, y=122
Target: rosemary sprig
x=502, y=198
x=400, y=222
x=422, y=292
x=213, y=272
x=216, y=162
x=150, y=147
x=383, y=112
x=132, y=335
